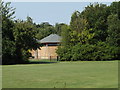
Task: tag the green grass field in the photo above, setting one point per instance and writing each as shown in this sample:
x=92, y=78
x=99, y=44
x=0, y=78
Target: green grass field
x=79, y=74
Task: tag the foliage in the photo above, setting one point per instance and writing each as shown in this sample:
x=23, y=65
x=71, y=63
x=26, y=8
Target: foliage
x=96, y=15
x=94, y=34
x=79, y=29
x=115, y=8
x=8, y=51
x=44, y=29
x=24, y=34
x=99, y=52
x=78, y=23
x=106, y=51
x=17, y=37
x=58, y=28
x=65, y=34
x=84, y=37
x=64, y=53
x=82, y=52
x=113, y=30
x=8, y=44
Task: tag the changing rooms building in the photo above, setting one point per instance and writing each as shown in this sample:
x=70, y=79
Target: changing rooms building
x=48, y=50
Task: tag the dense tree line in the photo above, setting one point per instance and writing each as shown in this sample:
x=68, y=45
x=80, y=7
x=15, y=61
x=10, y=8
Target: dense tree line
x=93, y=34
x=20, y=36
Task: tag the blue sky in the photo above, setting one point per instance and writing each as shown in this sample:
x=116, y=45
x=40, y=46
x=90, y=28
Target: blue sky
x=52, y=12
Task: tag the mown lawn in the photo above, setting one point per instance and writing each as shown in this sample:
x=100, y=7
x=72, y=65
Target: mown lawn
x=79, y=74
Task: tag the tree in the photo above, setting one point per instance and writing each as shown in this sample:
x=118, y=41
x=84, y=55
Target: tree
x=115, y=8
x=80, y=33
x=113, y=30
x=7, y=23
x=78, y=23
x=94, y=34
x=18, y=37
x=96, y=15
x=77, y=32
x=29, y=20
x=24, y=34
x=8, y=44
x=58, y=28
x=65, y=40
x=44, y=29
x=64, y=50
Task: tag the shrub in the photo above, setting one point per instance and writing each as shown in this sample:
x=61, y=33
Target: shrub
x=100, y=51
x=64, y=53
x=8, y=50
x=82, y=52
x=88, y=52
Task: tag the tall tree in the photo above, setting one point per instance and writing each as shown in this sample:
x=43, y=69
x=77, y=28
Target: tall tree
x=115, y=8
x=58, y=28
x=24, y=34
x=113, y=30
x=80, y=33
x=18, y=37
x=96, y=15
x=44, y=29
x=78, y=23
x=65, y=34
x=8, y=44
x=29, y=20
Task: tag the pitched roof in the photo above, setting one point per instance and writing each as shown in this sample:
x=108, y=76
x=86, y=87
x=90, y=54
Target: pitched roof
x=52, y=38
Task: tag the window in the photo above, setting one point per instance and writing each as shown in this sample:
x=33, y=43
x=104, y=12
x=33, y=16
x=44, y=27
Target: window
x=53, y=44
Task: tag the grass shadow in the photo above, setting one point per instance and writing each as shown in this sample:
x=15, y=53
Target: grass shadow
x=42, y=62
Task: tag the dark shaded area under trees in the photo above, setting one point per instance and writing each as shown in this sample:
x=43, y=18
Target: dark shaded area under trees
x=93, y=34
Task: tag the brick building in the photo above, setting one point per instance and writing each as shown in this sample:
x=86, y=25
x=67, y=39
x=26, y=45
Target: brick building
x=48, y=50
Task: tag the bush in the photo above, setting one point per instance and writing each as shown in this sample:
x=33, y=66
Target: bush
x=64, y=53
x=105, y=51
x=8, y=52
x=25, y=56
x=98, y=52
x=82, y=52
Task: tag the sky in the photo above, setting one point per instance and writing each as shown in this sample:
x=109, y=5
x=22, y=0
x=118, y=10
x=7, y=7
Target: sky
x=52, y=12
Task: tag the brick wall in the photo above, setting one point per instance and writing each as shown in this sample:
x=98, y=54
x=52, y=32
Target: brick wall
x=46, y=52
